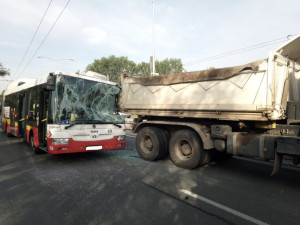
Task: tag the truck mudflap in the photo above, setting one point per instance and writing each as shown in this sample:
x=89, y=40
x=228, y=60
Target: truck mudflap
x=277, y=163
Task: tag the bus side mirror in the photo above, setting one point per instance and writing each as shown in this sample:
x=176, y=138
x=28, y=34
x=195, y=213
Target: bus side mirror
x=51, y=80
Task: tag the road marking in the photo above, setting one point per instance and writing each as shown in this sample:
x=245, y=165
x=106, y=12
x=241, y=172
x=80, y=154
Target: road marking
x=285, y=164
x=223, y=207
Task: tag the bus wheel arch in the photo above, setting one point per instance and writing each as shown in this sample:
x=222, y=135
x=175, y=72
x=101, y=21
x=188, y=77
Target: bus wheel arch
x=35, y=149
x=8, y=134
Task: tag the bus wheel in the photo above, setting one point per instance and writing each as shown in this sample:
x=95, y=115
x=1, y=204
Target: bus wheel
x=186, y=149
x=150, y=143
x=24, y=136
x=6, y=131
x=34, y=149
x=5, y=128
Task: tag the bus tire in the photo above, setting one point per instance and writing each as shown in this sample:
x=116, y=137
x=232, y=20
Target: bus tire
x=7, y=133
x=186, y=149
x=24, y=136
x=5, y=129
x=35, y=150
x=150, y=143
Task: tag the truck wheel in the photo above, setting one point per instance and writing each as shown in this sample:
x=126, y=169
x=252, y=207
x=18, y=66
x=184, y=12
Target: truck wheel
x=166, y=139
x=150, y=143
x=34, y=149
x=186, y=149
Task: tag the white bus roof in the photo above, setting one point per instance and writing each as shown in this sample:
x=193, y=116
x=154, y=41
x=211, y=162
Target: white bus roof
x=25, y=83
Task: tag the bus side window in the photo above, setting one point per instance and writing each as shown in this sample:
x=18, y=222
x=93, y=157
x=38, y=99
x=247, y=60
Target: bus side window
x=33, y=106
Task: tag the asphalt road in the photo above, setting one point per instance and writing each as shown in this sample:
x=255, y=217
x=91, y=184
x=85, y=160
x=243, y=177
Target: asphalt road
x=117, y=187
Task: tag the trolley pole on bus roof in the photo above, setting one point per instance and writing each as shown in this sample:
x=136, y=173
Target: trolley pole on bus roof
x=55, y=60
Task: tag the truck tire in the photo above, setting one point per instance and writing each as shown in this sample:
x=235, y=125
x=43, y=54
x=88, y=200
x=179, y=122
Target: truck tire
x=151, y=143
x=34, y=149
x=186, y=149
x=166, y=139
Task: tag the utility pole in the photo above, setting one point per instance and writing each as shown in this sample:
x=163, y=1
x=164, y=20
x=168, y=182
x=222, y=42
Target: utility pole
x=152, y=58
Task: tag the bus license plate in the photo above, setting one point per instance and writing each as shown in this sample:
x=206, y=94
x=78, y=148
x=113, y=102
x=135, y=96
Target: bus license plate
x=93, y=148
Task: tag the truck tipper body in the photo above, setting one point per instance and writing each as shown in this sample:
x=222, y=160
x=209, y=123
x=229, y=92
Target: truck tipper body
x=249, y=110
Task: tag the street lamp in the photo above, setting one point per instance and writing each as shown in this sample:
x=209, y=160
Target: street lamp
x=55, y=60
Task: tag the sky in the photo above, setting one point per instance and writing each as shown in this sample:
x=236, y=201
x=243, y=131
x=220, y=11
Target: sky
x=190, y=30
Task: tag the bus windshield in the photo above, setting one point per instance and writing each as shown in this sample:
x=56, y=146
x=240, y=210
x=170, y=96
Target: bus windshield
x=77, y=100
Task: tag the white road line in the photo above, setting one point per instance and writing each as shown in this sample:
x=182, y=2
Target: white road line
x=223, y=207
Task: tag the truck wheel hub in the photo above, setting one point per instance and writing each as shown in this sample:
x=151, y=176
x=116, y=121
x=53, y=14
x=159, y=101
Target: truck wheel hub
x=186, y=148
x=148, y=143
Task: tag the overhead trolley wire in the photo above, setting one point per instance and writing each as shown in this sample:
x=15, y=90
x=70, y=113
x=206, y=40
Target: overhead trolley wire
x=33, y=37
x=249, y=48
x=44, y=38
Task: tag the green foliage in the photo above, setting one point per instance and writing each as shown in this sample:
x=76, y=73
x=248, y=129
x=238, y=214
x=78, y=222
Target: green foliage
x=169, y=66
x=115, y=66
x=142, y=70
x=3, y=71
x=112, y=66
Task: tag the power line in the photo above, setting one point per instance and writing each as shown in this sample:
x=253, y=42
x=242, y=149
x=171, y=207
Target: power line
x=241, y=50
x=45, y=37
x=33, y=37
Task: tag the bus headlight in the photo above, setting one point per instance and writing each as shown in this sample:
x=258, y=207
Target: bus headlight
x=121, y=138
x=60, y=141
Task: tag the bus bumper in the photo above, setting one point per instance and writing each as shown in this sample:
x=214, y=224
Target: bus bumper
x=85, y=146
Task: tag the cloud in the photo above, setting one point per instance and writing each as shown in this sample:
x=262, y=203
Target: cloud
x=94, y=35
x=20, y=13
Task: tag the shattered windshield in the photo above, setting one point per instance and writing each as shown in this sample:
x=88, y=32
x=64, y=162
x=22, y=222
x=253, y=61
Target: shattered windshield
x=78, y=100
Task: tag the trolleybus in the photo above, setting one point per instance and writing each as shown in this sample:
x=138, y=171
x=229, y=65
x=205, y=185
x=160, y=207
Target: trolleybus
x=64, y=113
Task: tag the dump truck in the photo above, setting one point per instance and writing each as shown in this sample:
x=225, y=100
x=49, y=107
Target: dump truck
x=252, y=110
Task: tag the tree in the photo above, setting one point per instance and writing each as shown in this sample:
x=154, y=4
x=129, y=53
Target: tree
x=166, y=66
x=112, y=66
x=3, y=71
x=169, y=66
x=142, y=70
x=115, y=66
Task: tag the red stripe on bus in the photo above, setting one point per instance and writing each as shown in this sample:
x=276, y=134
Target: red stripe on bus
x=80, y=146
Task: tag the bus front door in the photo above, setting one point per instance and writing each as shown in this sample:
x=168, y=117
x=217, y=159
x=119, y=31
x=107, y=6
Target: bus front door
x=44, y=108
x=21, y=113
